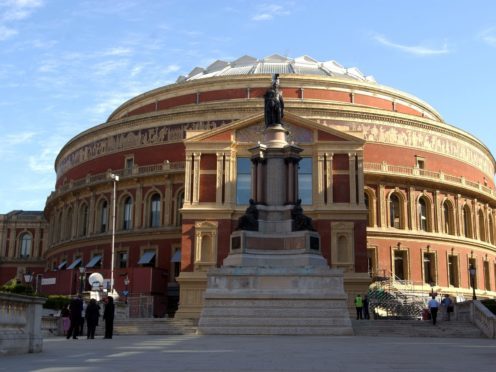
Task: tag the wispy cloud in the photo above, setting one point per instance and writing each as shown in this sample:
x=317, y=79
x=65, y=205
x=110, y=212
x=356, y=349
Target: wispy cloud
x=418, y=50
x=488, y=36
x=267, y=12
x=43, y=162
x=16, y=138
x=6, y=32
x=15, y=10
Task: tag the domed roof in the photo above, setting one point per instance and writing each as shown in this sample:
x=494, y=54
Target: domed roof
x=275, y=64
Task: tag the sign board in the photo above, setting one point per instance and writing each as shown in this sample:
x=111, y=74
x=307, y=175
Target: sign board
x=48, y=281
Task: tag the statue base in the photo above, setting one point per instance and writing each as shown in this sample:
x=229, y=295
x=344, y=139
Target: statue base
x=275, y=301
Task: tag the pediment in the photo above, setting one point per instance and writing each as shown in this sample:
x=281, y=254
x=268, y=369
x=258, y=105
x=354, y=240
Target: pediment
x=250, y=130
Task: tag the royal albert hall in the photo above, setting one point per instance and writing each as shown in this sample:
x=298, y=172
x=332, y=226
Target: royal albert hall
x=393, y=190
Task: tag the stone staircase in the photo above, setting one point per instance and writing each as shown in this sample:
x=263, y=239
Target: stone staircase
x=416, y=328
x=149, y=326
x=270, y=317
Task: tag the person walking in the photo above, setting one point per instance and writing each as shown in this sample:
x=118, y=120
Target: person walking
x=359, y=306
x=366, y=314
x=108, y=316
x=65, y=316
x=92, y=315
x=433, y=307
x=448, y=303
x=75, y=309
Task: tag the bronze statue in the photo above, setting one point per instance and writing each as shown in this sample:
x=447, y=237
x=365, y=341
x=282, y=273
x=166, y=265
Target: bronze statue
x=274, y=104
x=300, y=221
x=249, y=221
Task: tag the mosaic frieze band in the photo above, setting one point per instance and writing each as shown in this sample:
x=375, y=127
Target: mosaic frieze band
x=128, y=140
x=400, y=135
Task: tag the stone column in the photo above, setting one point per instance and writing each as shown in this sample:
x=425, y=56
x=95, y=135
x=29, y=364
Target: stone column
x=91, y=215
x=457, y=216
x=382, y=206
x=167, y=202
x=196, y=177
x=260, y=182
x=12, y=242
x=188, y=170
x=219, y=179
x=413, y=209
x=330, y=195
x=436, y=223
x=228, y=178
x=321, y=181
x=138, y=211
x=276, y=175
x=360, y=186
x=352, y=178
x=36, y=243
x=291, y=182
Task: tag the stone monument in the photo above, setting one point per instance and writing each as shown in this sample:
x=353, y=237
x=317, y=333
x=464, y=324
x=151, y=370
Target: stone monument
x=275, y=279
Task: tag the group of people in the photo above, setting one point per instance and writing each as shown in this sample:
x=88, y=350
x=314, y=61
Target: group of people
x=362, y=307
x=446, y=305
x=74, y=315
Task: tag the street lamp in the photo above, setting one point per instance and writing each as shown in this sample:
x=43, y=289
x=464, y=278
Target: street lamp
x=28, y=278
x=82, y=271
x=115, y=179
x=126, y=283
x=472, y=272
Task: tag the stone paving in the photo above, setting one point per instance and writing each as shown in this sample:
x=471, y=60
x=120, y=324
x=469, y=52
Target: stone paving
x=257, y=353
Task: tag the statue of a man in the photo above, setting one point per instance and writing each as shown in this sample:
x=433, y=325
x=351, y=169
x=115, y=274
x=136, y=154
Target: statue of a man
x=274, y=104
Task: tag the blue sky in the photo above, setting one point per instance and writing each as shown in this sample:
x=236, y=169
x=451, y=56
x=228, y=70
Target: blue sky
x=66, y=65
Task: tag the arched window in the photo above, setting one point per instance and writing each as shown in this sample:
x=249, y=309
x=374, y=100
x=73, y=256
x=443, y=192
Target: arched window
x=369, y=220
x=448, y=225
x=482, y=226
x=103, y=216
x=179, y=205
x=467, y=222
x=68, y=225
x=155, y=210
x=394, y=212
x=83, y=220
x=422, y=214
x=25, y=242
x=128, y=212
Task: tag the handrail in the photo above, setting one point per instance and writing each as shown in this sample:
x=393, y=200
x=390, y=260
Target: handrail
x=475, y=312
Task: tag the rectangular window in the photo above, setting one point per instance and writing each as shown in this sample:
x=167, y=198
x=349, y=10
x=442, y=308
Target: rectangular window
x=429, y=268
x=453, y=271
x=128, y=165
x=305, y=181
x=122, y=260
x=243, y=180
x=487, y=280
x=400, y=263
x=473, y=281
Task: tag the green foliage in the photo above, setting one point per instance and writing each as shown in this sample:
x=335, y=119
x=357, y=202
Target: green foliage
x=490, y=304
x=56, y=302
x=13, y=286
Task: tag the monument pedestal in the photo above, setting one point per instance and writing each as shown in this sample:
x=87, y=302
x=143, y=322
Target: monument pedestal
x=275, y=280
x=275, y=301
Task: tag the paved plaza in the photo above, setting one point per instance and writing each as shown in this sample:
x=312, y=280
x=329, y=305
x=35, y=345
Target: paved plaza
x=257, y=353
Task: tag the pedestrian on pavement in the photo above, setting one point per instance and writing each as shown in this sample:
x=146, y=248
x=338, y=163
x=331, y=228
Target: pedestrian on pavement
x=92, y=315
x=83, y=313
x=448, y=303
x=366, y=314
x=433, y=307
x=65, y=316
x=108, y=316
x=75, y=309
x=359, y=306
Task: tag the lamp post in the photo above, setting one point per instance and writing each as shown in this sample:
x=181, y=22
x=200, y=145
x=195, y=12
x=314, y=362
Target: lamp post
x=472, y=271
x=28, y=278
x=82, y=271
x=126, y=283
x=115, y=179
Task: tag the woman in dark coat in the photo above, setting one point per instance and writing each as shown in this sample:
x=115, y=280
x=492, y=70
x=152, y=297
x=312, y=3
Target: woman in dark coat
x=92, y=315
x=108, y=316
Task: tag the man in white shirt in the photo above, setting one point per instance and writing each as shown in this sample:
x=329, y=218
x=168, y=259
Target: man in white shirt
x=433, y=307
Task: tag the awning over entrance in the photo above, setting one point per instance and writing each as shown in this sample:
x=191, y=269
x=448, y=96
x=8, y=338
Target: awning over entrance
x=74, y=264
x=62, y=265
x=94, y=261
x=146, y=258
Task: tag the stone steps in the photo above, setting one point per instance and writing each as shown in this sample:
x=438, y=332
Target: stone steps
x=150, y=326
x=283, y=330
x=416, y=328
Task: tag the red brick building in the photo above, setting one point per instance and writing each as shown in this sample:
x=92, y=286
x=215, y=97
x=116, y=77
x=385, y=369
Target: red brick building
x=393, y=190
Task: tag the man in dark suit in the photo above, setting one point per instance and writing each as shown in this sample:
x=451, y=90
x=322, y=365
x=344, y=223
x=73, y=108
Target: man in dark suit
x=75, y=310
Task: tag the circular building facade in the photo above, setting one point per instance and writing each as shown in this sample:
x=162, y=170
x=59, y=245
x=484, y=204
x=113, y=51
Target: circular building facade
x=393, y=190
